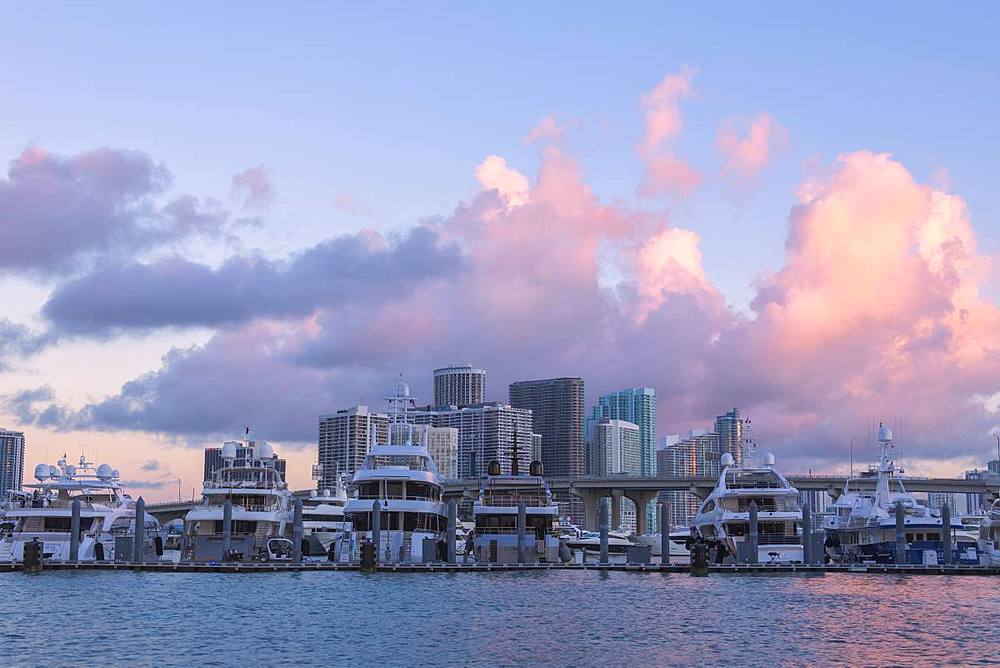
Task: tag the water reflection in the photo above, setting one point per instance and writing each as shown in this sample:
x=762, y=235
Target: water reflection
x=545, y=618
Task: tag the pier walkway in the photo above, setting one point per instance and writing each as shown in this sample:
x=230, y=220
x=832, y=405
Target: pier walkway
x=726, y=569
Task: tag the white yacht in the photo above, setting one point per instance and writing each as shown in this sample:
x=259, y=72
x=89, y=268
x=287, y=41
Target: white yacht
x=261, y=510
x=989, y=536
x=862, y=525
x=404, y=480
x=107, y=515
x=589, y=543
x=495, y=514
x=679, y=543
x=323, y=520
x=725, y=515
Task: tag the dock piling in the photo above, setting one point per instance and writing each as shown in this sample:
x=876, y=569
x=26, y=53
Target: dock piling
x=522, y=522
x=376, y=527
x=138, y=541
x=946, y=534
x=227, y=530
x=452, y=526
x=900, y=533
x=297, y=532
x=664, y=533
x=807, y=541
x=604, y=534
x=74, y=531
x=754, y=535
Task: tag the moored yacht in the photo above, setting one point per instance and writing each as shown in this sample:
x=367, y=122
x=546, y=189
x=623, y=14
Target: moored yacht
x=495, y=513
x=725, y=515
x=679, y=544
x=989, y=536
x=862, y=526
x=261, y=510
x=323, y=519
x=107, y=515
x=404, y=481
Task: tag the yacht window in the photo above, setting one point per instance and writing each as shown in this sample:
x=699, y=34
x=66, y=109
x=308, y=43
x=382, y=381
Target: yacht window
x=57, y=523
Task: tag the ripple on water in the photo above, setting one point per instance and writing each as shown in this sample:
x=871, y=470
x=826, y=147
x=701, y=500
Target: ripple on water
x=543, y=618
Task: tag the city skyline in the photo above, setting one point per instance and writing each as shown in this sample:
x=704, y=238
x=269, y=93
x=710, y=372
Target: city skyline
x=224, y=234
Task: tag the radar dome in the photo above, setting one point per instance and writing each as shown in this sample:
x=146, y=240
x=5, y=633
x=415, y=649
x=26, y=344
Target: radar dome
x=326, y=491
x=104, y=471
x=54, y=471
x=884, y=434
x=264, y=451
x=116, y=474
x=229, y=451
x=42, y=472
x=70, y=469
x=768, y=459
x=312, y=494
x=727, y=459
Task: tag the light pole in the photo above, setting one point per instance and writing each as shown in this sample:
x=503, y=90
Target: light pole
x=853, y=438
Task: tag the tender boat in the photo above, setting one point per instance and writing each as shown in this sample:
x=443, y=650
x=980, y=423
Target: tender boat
x=589, y=543
x=680, y=542
x=725, y=515
x=495, y=514
x=261, y=510
x=404, y=480
x=862, y=526
x=107, y=516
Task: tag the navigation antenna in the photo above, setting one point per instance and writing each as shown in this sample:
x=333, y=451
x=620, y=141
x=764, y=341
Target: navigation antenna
x=748, y=449
x=399, y=403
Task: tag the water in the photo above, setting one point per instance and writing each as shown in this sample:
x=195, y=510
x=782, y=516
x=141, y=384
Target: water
x=556, y=618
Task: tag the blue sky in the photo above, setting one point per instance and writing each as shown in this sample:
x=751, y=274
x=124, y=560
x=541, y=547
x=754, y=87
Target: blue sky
x=396, y=104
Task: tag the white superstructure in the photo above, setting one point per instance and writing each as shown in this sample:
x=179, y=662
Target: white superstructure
x=107, y=513
x=323, y=520
x=404, y=481
x=862, y=523
x=261, y=510
x=725, y=515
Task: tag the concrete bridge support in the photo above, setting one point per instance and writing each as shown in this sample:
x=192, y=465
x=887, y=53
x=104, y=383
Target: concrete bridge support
x=641, y=499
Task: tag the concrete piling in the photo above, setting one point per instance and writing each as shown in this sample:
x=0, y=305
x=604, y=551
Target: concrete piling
x=297, y=532
x=807, y=542
x=900, y=533
x=522, y=524
x=753, y=536
x=664, y=533
x=604, y=535
x=946, y=533
x=74, y=531
x=452, y=530
x=376, y=527
x=227, y=529
x=139, y=539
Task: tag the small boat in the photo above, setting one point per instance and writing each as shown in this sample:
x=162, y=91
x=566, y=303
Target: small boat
x=680, y=539
x=989, y=536
x=589, y=543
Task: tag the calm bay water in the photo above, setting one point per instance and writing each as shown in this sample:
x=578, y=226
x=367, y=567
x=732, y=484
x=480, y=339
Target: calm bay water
x=555, y=618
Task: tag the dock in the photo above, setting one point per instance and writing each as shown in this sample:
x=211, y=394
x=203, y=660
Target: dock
x=724, y=569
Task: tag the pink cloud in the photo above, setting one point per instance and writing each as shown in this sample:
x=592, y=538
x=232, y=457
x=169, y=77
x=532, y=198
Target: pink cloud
x=748, y=150
x=253, y=185
x=665, y=172
x=548, y=129
x=494, y=174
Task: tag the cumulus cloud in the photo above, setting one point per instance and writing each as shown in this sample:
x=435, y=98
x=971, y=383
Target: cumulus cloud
x=56, y=211
x=748, y=147
x=174, y=292
x=665, y=172
x=18, y=341
x=494, y=174
x=253, y=187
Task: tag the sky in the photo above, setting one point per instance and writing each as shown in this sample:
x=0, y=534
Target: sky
x=233, y=215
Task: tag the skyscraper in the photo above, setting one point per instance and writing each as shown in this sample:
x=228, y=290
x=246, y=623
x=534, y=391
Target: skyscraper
x=636, y=405
x=616, y=448
x=442, y=444
x=485, y=433
x=696, y=455
x=11, y=461
x=556, y=406
x=344, y=438
x=459, y=385
x=729, y=427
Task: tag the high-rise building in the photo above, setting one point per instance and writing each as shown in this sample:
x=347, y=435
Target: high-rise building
x=244, y=449
x=556, y=406
x=441, y=442
x=636, y=405
x=11, y=462
x=485, y=432
x=818, y=500
x=616, y=448
x=344, y=439
x=730, y=426
x=696, y=455
x=459, y=385
x=976, y=503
